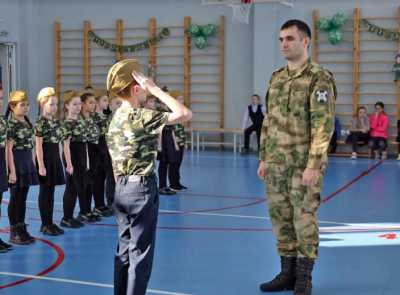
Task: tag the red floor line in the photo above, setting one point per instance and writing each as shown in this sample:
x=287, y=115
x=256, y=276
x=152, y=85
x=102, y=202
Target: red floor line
x=350, y=183
x=60, y=258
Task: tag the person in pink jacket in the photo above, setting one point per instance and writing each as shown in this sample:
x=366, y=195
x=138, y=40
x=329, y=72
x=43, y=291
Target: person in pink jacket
x=379, y=124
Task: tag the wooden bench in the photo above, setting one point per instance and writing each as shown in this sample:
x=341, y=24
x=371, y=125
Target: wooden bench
x=391, y=142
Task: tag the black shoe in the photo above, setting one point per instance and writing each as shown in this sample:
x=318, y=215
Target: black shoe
x=6, y=246
x=182, y=187
x=166, y=191
x=103, y=212
x=56, y=229
x=304, y=267
x=18, y=236
x=48, y=230
x=245, y=151
x=25, y=233
x=95, y=216
x=175, y=189
x=71, y=223
x=86, y=218
x=285, y=280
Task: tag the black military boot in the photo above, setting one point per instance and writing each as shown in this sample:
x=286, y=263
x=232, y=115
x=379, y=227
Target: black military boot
x=285, y=280
x=304, y=269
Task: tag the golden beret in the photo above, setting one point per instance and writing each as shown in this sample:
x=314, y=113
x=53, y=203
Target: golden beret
x=45, y=92
x=120, y=75
x=17, y=96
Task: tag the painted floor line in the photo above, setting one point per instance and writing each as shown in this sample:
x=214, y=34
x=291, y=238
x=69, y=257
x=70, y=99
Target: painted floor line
x=12, y=274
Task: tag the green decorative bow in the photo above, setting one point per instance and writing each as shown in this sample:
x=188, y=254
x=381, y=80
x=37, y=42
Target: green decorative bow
x=200, y=34
x=333, y=26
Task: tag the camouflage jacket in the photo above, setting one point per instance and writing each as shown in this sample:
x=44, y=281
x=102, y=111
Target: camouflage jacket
x=49, y=129
x=180, y=135
x=3, y=131
x=300, y=117
x=21, y=134
x=92, y=130
x=75, y=130
x=102, y=121
x=132, y=140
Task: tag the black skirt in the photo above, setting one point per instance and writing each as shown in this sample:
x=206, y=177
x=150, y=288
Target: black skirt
x=53, y=165
x=3, y=171
x=25, y=170
x=79, y=159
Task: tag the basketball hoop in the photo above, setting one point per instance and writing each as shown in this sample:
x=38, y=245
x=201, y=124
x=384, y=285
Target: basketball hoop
x=241, y=11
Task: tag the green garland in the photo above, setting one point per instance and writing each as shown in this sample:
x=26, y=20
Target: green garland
x=128, y=48
x=386, y=33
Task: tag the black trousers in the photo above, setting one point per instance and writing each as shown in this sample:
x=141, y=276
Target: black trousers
x=174, y=174
x=378, y=143
x=356, y=137
x=110, y=186
x=46, y=203
x=248, y=131
x=17, y=204
x=136, y=209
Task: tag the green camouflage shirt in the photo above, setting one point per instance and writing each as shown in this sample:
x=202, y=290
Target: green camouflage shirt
x=21, y=134
x=3, y=131
x=49, y=129
x=300, y=118
x=132, y=140
x=75, y=130
x=180, y=135
x=92, y=130
x=102, y=122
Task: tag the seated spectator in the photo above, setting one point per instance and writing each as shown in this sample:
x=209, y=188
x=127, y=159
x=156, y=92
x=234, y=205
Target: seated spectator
x=336, y=134
x=359, y=131
x=379, y=124
x=252, y=121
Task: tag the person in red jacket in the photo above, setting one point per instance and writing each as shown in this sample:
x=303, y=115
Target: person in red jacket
x=379, y=124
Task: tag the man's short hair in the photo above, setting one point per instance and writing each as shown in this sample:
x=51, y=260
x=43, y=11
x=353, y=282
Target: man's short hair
x=300, y=25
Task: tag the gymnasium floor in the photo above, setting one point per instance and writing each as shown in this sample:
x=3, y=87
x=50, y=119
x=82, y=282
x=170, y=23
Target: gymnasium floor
x=216, y=238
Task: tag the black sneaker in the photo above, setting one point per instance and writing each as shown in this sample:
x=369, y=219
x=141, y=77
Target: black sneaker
x=166, y=191
x=5, y=245
x=175, y=189
x=86, y=218
x=56, y=229
x=48, y=230
x=103, y=212
x=70, y=223
x=95, y=216
x=182, y=187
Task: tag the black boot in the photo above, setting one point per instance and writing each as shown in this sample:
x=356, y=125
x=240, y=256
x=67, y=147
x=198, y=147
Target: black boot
x=303, y=276
x=285, y=280
x=24, y=233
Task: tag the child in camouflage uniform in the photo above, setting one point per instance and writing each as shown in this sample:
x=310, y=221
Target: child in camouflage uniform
x=103, y=162
x=132, y=142
x=75, y=158
x=180, y=139
x=20, y=143
x=4, y=247
x=49, y=135
x=92, y=135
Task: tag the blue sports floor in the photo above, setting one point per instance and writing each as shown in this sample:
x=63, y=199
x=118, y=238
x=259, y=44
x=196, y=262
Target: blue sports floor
x=216, y=238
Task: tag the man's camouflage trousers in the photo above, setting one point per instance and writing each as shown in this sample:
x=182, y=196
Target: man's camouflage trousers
x=293, y=210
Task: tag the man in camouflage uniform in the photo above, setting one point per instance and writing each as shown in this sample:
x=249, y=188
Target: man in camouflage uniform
x=293, y=156
x=132, y=143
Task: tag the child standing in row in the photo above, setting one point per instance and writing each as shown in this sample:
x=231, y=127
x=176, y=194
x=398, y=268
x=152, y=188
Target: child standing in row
x=21, y=167
x=49, y=135
x=76, y=160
